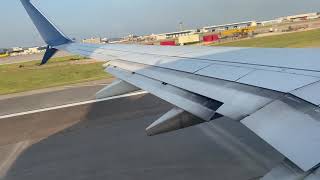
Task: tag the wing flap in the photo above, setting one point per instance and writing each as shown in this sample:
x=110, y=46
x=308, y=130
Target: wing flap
x=229, y=73
x=291, y=126
x=232, y=94
x=173, y=120
x=278, y=81
x=117, y=88
x=200, y=106
x=309, y=93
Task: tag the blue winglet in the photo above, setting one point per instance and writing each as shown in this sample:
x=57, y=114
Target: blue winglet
x=48, y=31
x=50, y=34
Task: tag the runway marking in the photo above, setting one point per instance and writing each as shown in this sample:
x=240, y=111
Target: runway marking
x=89, y=85
x=71, y=105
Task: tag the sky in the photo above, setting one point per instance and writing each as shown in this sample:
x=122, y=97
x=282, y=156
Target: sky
x=116, y=18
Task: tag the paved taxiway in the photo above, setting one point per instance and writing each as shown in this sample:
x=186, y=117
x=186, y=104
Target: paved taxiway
x=106, y=140
x=50, y=97
x=30, y=57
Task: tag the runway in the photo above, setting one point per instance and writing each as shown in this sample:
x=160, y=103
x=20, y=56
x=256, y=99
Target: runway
x=50, y=97
x=106, y=140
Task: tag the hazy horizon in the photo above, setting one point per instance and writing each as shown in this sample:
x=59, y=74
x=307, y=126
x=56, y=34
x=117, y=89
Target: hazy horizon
x=117, y=18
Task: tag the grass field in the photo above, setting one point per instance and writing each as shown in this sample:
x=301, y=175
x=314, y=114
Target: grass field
x=59, y=71
x=306, y=39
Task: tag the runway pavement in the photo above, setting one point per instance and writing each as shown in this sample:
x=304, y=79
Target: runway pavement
x=50, y=97
x=106, y=140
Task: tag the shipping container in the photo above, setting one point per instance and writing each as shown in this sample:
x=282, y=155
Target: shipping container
x=211, y=38
x=168, y=43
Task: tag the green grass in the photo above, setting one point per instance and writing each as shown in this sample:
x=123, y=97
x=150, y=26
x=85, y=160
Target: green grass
x=59, y=71
x=306, y=39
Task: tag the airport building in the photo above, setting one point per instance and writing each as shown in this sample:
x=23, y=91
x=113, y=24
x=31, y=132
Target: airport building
x=18, y=51
x=301, y=17
x=34, y=50
x=174, y=35
x=270, y=22
x=131, y=37
x=224, y=27
x=93, y=40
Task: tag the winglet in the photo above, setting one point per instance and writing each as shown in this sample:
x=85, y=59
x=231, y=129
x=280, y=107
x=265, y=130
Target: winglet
x=48, y=31
x=50, y=34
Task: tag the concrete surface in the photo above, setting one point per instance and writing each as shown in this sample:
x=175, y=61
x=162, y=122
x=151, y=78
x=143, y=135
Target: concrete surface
x=27, y=58
x=106, y=140
x=49, y=97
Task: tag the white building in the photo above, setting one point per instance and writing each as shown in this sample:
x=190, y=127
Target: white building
x=300, y=17
x=271, y=22
x=173, y=35
x=93, y=40
x=223, y=27
x=33, y=50
x=17, y=49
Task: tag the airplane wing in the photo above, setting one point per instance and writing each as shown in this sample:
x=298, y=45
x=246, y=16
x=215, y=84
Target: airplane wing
x=274, y=92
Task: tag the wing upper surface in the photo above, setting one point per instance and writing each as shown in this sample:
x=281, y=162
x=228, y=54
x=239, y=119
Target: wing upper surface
x=282, y=70
x=243, y=83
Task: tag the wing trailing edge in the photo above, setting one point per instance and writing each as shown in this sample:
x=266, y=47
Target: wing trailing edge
x=173, y=120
